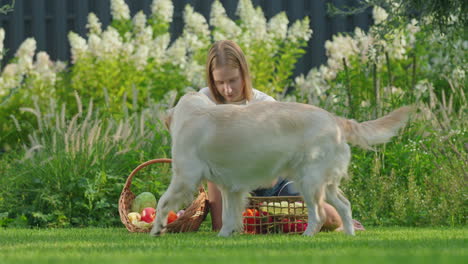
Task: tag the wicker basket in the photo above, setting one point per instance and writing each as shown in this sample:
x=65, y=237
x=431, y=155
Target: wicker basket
x=189, y=221
x=275, y=214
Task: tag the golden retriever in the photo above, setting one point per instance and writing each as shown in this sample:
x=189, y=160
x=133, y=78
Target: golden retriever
x=241, y=148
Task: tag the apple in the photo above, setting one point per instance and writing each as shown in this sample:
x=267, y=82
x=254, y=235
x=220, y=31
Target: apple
x=134, y=217
x=148, y=214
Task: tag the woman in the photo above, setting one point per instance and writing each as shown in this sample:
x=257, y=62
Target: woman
x=229, y=82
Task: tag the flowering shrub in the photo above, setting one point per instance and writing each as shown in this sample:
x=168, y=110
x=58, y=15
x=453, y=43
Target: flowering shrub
x=382, y=69
x=24, y=81
x=130, y=56
x=132, y=61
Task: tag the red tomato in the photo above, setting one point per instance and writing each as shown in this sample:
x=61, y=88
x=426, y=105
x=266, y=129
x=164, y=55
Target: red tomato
x=255, y=221
x=171, y=217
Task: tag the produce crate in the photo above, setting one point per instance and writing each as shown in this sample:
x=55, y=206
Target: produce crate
x=275, y=214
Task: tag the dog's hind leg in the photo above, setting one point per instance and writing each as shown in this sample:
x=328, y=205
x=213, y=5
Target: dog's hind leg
x=342, y=205
x=233, y=206
x=180, y=190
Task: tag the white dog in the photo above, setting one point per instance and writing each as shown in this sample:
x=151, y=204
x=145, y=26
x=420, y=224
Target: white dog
x=241, y=148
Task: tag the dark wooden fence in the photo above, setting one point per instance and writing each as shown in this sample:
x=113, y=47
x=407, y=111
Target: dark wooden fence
x=49, y=21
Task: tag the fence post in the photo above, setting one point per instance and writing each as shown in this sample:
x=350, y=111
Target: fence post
x=60, y=29
x=38, y=23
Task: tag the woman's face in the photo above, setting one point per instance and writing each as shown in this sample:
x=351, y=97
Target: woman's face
x=228, y=82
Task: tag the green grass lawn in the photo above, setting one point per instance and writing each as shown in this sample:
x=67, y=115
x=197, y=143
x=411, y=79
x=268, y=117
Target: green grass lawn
x=116, y=245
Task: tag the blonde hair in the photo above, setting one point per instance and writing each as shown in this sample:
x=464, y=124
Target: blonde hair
x=227, y=53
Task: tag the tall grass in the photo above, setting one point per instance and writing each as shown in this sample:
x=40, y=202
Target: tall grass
x=418, y=178
x=72, y=171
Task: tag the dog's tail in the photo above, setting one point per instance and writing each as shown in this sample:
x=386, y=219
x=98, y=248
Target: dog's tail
x=376, y=131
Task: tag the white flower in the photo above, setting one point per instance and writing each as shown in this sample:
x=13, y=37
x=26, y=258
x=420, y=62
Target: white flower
x=94, y=25
x=253, y=19
x=225, y=28
x=159, y=46
x=111, y=41
x=327, y=73
x=11, y=77
x=459, y=73
x=300, y=30
x=2, y=38
x=178, y=52
x=145, y=36
x=195, y=74
x=196, y=32
x=397, y=48
x=379, y=14
x=59, y=66
x=94, y=44
x=245, y=10
x=10, y=70
x=139, y=21
x=120, y=10
x=43, y=61
x=412, y=28
x=363, y=43
x=313, y=86
x=127, y=49
x=140, y=58
x=78, y=46
x=341, y=47
x=25, y=54
x=163, y=9
x=278, y=26
x=27, y=48
x=44, y=67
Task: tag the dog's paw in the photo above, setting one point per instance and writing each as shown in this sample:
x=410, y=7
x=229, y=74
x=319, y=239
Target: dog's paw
x=158, y=231
x=308, y=233
x=225, y=233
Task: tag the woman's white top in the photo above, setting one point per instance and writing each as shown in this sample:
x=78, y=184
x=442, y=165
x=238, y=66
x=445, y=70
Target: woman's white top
x=257, y=97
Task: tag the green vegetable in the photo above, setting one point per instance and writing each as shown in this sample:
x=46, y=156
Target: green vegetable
x=143, y=200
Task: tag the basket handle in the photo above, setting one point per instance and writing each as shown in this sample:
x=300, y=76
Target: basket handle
x=141, y=166
x=145, y=164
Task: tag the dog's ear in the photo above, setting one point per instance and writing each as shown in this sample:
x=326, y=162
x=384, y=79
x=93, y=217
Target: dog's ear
x=168, y=118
